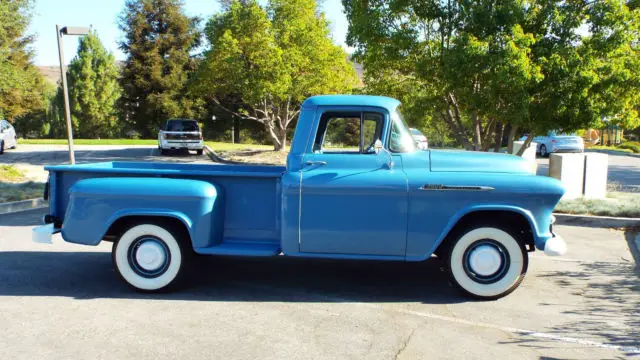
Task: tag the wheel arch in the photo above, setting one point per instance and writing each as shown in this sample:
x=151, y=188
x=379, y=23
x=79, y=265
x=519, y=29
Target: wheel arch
x=120, y=223
x=517, y=219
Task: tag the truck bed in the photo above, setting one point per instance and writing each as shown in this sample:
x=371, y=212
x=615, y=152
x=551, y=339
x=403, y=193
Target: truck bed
x=251, y=196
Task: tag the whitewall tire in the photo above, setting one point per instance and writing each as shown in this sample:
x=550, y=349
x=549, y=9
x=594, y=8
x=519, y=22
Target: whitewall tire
x=149, y=258
x=487, y=262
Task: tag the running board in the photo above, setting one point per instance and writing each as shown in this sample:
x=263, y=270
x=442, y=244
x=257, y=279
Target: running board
x=241, y=249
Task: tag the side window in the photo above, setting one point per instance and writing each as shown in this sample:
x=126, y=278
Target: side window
x=399, y=141
x=372, y=125
x=348, y=133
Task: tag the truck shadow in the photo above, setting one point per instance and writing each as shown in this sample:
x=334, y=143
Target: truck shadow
x=90, y=275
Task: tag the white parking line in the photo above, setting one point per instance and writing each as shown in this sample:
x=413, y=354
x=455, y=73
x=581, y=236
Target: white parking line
x=513, y=330
x=523, y=332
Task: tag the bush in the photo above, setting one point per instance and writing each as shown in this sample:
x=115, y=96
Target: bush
x=633, y=146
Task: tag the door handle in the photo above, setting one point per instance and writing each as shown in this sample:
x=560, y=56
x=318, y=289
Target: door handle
x=319, y=163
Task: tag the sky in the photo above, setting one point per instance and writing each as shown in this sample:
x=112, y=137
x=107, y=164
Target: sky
x=102, y=16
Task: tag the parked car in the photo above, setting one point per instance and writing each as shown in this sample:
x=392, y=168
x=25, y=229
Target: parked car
x=371, y=197
x=8, y=137
x=421, y=141
x=180, y=134
x=556, y=143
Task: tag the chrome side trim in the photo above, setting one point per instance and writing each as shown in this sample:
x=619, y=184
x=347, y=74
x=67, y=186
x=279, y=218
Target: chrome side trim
x=440, y=187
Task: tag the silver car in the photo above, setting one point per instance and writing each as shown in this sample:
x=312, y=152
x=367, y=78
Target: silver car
x=558, y=142
x=421, y=141
x=8, y=138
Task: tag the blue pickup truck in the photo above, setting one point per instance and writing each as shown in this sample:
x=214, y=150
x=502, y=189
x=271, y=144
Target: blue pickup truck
x=354, y=187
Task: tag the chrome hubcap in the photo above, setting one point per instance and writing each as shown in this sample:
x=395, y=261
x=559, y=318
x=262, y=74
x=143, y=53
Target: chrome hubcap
x=150, y=255
x=485, y=260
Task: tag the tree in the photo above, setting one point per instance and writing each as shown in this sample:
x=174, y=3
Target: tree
x=159, y=39
x=483, y=65
x=93, y=88
x=21, y=84
x=271, y=59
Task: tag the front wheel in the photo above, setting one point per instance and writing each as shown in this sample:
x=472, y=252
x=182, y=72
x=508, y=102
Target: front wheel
x=543, y=151
x=199, y=152
x=487, y=262
x=149, y=258
x=1, y=147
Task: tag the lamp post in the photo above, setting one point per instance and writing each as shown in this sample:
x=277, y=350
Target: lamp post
x=67, y=30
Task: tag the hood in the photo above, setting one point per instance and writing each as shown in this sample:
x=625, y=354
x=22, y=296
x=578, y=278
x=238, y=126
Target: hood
x=476, y=161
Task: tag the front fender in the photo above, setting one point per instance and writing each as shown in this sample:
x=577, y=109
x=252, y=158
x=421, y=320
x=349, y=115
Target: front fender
x=540, y=235
x=96, y=204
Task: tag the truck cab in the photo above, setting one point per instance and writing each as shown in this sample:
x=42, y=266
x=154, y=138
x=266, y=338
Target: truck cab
x=354, y=187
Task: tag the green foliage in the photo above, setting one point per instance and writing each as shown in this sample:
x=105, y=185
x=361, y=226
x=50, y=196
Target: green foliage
x=633, y=146
x=616, y=204
x=268, y=60
x=480, y=66
x=158, y=41
x=20, y=82
x=93, y=89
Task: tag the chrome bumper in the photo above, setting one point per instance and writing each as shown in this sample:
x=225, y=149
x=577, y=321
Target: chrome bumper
x=42, y=234
x=556, y=246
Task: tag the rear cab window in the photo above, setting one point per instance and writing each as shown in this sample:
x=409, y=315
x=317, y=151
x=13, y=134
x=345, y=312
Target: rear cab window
x=182, y=125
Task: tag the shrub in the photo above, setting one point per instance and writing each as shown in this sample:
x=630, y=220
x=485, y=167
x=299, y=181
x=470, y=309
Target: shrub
x=633, y=146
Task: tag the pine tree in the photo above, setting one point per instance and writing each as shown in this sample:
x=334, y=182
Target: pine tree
x=21, y=84
x=159, y=39
x=93, y=89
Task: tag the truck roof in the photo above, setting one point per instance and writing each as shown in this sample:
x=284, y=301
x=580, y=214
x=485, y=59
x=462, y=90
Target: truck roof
x=350, y=100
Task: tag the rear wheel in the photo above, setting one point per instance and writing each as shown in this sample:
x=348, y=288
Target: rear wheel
x=163, y=151
x=487, y=262
x=199, y=152
x=1, y=147
x=150, y=257
x=543, y=151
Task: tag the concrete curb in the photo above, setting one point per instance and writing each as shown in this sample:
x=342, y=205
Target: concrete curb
x=215, y=157
x=596, y=221
x=612, y=152
x=16, y=206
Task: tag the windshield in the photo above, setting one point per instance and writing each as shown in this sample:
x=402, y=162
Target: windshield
x=400, y=139
x=182, y=125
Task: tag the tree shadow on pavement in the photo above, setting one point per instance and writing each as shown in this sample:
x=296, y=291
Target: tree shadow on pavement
x=89, y=275
x=608, y=308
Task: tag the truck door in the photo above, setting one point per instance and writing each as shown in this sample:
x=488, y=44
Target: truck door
x=351, y=201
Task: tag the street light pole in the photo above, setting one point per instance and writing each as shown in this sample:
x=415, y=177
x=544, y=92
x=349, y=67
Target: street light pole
x=65, y=94
x=63, y=75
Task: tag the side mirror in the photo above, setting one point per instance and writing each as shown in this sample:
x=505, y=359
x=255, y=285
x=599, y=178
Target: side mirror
x=377, y=146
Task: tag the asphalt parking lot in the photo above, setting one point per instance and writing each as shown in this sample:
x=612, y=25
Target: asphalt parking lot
x=64, y=301
x=32, y=158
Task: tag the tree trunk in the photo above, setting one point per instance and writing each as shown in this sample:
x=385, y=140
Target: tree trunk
x=278, y=135
x=526, y=144
x=477, y=131
x=499, y=134
x=512, y=135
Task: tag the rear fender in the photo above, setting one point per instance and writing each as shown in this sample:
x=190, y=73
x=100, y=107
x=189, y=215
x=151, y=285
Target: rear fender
x=96, y=204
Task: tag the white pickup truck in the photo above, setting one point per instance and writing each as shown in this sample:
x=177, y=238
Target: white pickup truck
x=180, y=134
